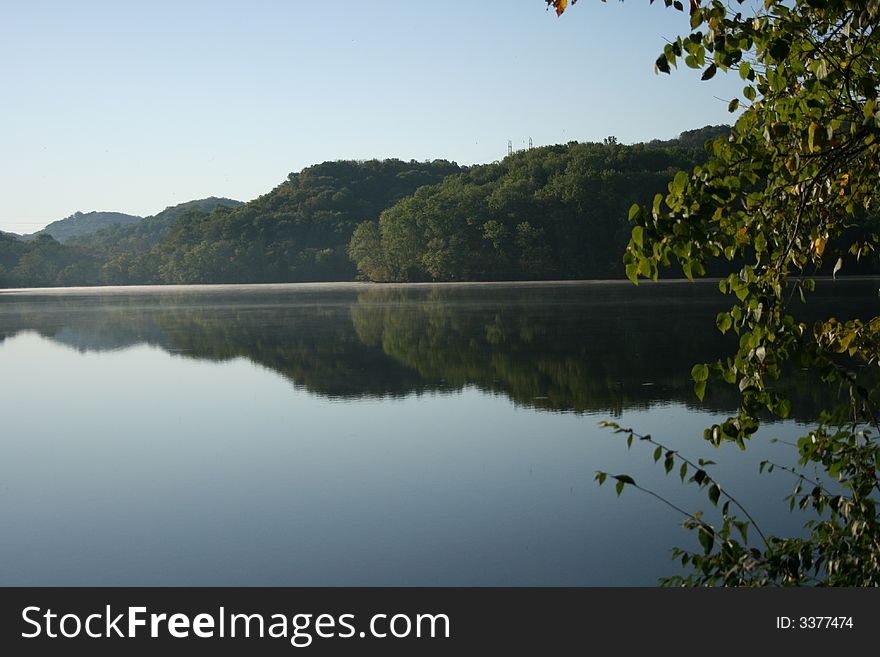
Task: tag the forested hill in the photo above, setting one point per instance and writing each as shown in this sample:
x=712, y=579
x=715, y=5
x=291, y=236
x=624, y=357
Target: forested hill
x=83, y=223
x=297, y=232
x=125, y=251
x=149, y=232
x=546, y=213
x=549, y=212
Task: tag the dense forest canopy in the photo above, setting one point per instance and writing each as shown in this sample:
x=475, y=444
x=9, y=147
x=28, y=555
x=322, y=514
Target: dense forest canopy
x=126, y=251
x=553, y=212
x=556, y=212
x=297, y=232
x=83, y=223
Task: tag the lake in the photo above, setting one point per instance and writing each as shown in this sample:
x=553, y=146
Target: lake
x=357, y=434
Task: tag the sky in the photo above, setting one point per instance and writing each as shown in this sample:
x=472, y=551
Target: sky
x=136, y=106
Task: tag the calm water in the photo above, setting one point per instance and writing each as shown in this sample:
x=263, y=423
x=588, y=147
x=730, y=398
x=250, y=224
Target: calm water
x=362, y=435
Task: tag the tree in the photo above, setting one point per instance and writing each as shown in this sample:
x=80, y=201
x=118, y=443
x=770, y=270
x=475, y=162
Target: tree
x=549, y=212
x=365, y=249
x=792, y=192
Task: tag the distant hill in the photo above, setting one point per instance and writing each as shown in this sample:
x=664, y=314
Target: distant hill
x=550, y=212
x=82, y=223
x=145, y=234
x=126, y=251
x=297, y=232
x=90, y=259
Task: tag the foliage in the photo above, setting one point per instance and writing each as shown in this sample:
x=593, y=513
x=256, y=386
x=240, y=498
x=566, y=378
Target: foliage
x=297, y=232
x=143, y=235
x=549, y=212
x=43, y=262
x=80, y=223
x=793, y=188
x=554, y=212
x=126, y=250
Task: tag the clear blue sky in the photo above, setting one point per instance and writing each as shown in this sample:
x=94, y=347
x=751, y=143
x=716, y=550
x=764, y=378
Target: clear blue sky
x=134, y=106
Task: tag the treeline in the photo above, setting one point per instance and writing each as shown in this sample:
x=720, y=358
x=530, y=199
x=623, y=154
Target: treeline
x=55, y=256
x=298, y=232
x=557, y=212
x=45, y=262
x=83, y=223
x=127, y=252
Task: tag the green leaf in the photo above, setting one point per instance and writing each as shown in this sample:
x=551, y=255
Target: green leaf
x=707, y=537
x=657, y=454
x=733, y=105
x=760, y=242
x=743, y=527
x=619, y=488
x=638, y=236
x=700, y=389
x=682, y=471
x=723, y=321
x=634, y=211
x=744, y=69
x=700, y=372
x=655, y=205
x=632, y=272
x=679, y=183
x=709, y=73
x=779, y=49
x=662, y=64
x=714, y=494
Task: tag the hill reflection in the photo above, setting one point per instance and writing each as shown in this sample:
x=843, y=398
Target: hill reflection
x=603, y=347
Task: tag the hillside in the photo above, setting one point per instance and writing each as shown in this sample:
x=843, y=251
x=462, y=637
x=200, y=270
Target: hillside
x=124, y=250
x=44, y=262
x=145, y=234
x=82, y=223
x=554, y=212
x=297, y=232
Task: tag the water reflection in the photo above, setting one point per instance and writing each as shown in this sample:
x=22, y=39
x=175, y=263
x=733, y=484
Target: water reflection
x=358, y=435
x=571, y=347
